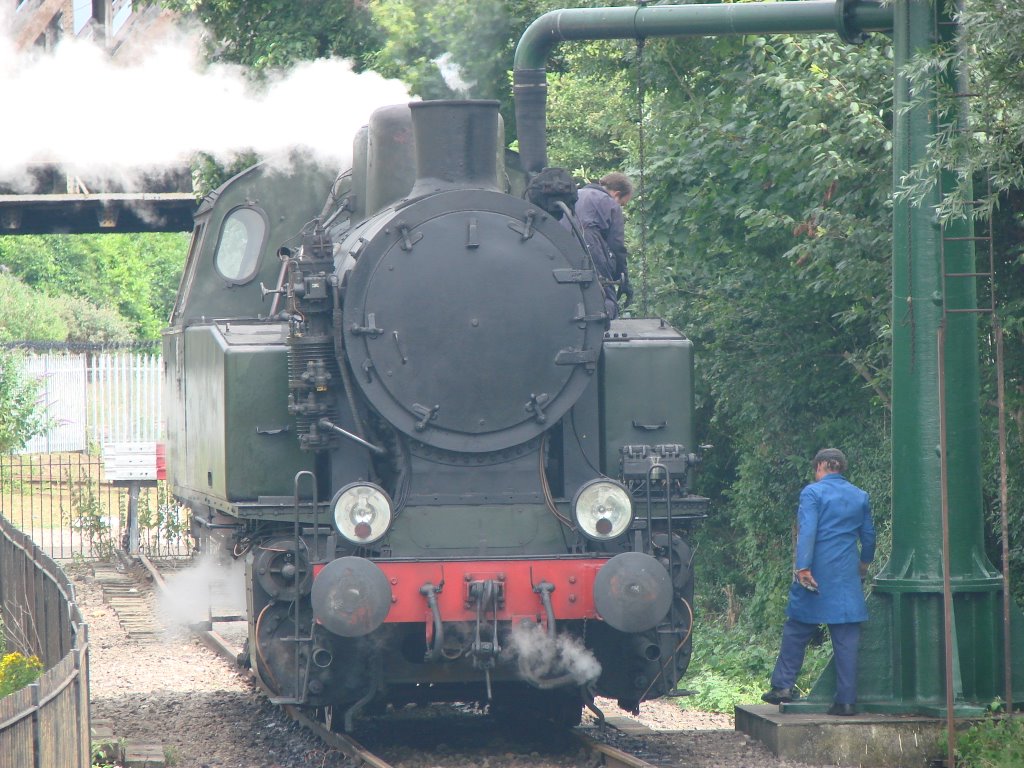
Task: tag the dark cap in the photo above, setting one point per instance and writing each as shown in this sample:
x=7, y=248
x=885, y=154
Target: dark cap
x=834, y=459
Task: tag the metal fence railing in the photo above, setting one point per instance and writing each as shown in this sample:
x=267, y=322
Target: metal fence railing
x=46, y=724
x=64, y=502
x=93, y=395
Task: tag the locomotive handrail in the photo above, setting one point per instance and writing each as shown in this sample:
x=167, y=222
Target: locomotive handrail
x=850, y=19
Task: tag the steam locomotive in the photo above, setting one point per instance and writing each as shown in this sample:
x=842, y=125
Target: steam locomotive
x=395, y=392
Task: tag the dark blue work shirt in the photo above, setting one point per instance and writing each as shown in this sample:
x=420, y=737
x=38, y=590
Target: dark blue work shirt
x=833, y=517
x=601, y=218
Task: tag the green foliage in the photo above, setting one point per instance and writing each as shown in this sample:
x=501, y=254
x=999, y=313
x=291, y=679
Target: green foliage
x=161, y=520
x=132, y=276
x=21, y=416
x=418, y=34
x=732, y=665
x=769, y=244
x=208, y=172
x=986, y=46
x=991, y=743
x=429, y=40
x=274, y=34
x=17, y=671
x=88, y=323
x=27, y=314
x=591, y=112
x=1008, y=228
x=106, y=753
x=87, y=515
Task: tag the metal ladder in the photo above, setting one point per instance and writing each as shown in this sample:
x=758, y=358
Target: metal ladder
x=985, y=240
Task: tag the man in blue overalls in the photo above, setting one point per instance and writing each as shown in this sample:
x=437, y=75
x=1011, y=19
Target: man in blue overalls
x=833, y=517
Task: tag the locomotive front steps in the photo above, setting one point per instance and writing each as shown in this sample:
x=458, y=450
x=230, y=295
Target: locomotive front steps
x=865, y=740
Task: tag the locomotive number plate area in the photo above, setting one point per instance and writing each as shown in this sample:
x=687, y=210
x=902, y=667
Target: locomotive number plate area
x=572, y=598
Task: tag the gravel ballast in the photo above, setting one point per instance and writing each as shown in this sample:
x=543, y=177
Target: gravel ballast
x=172, y=691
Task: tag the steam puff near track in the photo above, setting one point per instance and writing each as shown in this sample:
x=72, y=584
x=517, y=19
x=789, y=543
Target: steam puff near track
x=95, y=115
x=204, y=586
x=556, y=661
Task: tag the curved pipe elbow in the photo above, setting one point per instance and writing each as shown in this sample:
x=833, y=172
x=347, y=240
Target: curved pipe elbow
x=850, y=19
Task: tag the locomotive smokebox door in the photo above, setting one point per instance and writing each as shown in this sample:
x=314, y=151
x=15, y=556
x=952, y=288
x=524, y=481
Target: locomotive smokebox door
x=473, y=319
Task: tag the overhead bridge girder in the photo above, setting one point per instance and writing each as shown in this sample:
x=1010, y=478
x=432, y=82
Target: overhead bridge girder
x=36, y=214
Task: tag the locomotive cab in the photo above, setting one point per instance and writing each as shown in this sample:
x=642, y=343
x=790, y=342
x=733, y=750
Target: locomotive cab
x=489, y=481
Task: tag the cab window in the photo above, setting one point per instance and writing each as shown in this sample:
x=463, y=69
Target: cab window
x=241, y=241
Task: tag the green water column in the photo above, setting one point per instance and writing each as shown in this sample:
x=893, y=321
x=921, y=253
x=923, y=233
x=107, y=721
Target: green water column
x=902, y=663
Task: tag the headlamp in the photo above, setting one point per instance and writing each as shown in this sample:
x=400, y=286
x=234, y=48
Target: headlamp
x=362, y=512
x=603, y=509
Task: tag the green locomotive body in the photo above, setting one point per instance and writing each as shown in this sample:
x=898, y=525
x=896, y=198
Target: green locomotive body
x=394, y=391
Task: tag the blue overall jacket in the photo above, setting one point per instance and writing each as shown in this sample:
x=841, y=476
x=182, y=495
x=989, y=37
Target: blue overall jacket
x=833, y=517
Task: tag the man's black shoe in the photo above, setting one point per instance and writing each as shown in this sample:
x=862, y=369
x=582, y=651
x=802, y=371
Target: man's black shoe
x=842, y=710
x=778, y=696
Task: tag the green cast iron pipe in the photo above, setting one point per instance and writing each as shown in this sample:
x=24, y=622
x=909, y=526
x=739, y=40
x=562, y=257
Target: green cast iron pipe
x=850, y=19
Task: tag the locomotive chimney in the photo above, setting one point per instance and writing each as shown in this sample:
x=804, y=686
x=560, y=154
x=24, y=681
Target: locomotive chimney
x=456, y=145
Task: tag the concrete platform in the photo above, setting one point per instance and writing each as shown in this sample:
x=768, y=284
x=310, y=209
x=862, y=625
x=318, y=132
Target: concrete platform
x=866, y=741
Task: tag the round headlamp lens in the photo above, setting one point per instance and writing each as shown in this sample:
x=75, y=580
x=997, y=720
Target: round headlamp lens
x=603, y=509
x=362, y=513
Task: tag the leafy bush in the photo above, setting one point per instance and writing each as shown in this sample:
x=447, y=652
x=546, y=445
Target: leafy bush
x=732, y=666
x=134, y=275
x=992, y=743
x=87, y=515
x=88, y=323
x=21, y=418
x=17, y=671
x=27, y=314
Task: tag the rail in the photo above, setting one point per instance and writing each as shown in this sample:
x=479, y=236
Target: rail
x=599, y=754
x=46, y=724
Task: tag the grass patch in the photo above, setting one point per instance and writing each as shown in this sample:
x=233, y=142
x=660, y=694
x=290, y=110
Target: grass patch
x=731, y=665
x=996, y=742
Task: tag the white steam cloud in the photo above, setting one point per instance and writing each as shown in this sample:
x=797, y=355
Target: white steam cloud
x=541, y=658
x=203, y=587
x=452, y=75
x=79, y=108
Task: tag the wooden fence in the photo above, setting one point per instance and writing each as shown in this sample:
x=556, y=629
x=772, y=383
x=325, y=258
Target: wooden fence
x=46, y=724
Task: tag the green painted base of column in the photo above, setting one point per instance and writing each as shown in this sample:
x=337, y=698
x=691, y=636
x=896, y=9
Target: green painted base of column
x=902, y=658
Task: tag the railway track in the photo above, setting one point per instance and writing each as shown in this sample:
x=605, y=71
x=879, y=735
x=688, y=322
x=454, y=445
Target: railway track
x=132, y=617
